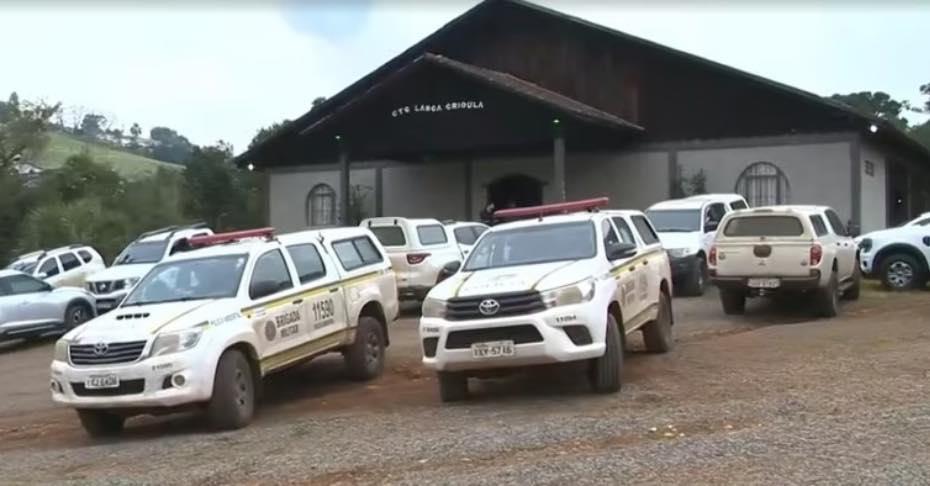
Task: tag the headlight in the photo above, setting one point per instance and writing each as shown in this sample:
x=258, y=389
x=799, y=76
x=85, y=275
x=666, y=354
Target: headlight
x=129, y=282
x=61, y=350
x=681, y=252
x=434, y=308
x=174, y=342
x=570, y=294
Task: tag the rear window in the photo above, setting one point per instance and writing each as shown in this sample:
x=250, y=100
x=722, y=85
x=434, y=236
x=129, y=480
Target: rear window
x=389, y=235
x=764, y=226
x=433, y=234
x=357, y=252
x=85, y=255
x=465, y=235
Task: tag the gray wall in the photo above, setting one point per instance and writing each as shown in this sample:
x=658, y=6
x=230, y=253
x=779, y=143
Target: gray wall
x=425, y=191
x=633, y=180
x=818, y=173
x=288, y=191
x=873, y=196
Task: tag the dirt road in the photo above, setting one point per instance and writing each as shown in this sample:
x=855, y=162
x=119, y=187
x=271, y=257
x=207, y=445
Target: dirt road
x=769, y=398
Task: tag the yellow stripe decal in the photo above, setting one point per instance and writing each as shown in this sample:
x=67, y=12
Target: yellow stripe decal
x=616, y=271
x=461, y=284
x=192, y=309
x=313, y=291
x=284, y=358
x=550, y=273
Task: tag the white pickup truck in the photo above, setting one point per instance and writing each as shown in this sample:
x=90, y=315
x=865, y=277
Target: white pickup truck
x=204, y=326
x=551, y=288
x=899, y=257
x=782, y=250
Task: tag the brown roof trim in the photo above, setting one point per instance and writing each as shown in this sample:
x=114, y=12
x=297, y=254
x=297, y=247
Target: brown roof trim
x=503, y=81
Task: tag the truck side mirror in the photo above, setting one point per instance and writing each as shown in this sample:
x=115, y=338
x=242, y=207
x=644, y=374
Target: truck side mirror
x=263, y=288
x=448, y=270
x=620, y=250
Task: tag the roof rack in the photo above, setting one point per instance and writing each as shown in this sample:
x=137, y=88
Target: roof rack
x=589, y=205
x=231, y=237
x=172, y=229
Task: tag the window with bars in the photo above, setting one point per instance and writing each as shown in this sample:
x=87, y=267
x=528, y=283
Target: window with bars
x=763, y=184
x=321, y=206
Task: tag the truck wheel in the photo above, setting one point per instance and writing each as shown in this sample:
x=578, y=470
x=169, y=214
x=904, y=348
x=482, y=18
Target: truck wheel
x=453, y=387
x=364, y=358
x=233, y=401
x=77, y=314
x=900, y=272
x=852, y=293
x=827, y=298
x=657, y=334
x=604, y=372
x=733, y=302
x=100, y=423
x=697, y=280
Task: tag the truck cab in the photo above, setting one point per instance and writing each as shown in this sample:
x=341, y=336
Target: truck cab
x=558, y=283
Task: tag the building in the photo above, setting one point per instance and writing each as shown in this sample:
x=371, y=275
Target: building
x=518, y=104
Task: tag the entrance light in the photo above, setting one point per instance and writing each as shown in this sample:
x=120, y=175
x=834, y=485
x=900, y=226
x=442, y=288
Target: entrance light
x=555, y=121
x=251, y=167
x=873, y=128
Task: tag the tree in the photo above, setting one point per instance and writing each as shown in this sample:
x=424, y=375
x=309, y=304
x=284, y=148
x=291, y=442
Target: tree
x=169, y=145
x=216, y=192
x=92, y=125
x=265, y=132
x=23, y=129
x=925, y=90
x=81, y=177
x=878, y=104
x=319, y=100
x=135, y=130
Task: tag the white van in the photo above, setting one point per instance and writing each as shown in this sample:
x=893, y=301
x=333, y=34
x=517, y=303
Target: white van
x=686, y=228
x=420, y=248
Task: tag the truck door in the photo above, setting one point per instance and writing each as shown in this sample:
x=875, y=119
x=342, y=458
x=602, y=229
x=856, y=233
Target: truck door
x=845, y=246
x=651, y=264
x=629, y=277
x=323, y=298
x=275, y=312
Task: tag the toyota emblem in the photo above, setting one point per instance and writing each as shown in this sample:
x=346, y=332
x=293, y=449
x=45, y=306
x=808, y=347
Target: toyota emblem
x=101, y=349
x=489, y=307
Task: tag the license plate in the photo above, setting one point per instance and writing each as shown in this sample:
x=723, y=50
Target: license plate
x=100, y=382
x=105, y=304
x=764, y=283
x=492, y=349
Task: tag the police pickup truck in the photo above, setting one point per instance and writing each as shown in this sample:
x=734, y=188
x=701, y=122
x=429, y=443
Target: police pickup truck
x=205, y=325
x=565, y=283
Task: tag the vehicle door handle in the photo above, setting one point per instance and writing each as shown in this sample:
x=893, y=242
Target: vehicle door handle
x=298, y=301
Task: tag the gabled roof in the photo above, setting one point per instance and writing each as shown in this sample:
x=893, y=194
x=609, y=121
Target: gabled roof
x=422, y=47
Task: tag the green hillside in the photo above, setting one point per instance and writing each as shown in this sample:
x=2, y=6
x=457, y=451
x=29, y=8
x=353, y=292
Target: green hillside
x=129, y=165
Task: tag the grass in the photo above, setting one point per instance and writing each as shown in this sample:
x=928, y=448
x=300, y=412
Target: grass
x=127, y=164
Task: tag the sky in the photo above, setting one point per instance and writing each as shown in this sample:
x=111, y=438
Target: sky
x=214, y=70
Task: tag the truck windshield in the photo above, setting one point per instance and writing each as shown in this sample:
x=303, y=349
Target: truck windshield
x=202, y=278
x=143, y=252
x=675, y=220
x=764, y=226
x=534, y=244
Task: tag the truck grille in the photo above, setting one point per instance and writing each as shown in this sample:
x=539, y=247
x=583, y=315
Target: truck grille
x=106, y=353
x=522, y=334
x=105, y=287
x=126, y=387
x=513, y=304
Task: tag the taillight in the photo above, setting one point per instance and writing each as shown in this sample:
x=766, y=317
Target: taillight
x=816, y=254
x=416, y=258
x=712, y=259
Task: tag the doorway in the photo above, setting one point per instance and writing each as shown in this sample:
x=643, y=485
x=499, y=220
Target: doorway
x=898, y=205
x=515, y=191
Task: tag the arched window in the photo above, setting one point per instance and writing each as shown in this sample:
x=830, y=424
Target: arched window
x=764, y=184
x=321, y=206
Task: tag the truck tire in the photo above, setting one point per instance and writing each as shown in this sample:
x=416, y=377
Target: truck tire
x=100, y=423
x=364, y=358
x=852, y=293
x=826, y=299
x=453, y=386
x=901, y=271
x=696, y=283
x=233, y=401
x=604, y=372
x=657, y=334
x=76, y=314
x=733, y=302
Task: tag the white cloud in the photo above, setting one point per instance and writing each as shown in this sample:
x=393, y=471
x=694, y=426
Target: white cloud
x=213, y=72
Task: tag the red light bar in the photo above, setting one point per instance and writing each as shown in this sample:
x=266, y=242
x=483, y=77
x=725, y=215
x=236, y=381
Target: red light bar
x=207, y=240
x=547, y=209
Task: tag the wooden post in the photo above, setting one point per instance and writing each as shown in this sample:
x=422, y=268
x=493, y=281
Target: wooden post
x=558, y=159
x=344, y=195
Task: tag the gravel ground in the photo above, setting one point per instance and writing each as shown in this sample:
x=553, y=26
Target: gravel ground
x=772, y=398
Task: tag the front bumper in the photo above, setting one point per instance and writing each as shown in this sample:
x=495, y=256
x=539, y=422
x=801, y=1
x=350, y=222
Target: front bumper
x=683, y=268
x=866, y=264
x=412, y=293
x=107, y=302
x=552, y=346
x=153, y=392
x=789, y=284
x=27, y=330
